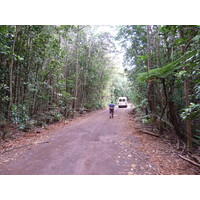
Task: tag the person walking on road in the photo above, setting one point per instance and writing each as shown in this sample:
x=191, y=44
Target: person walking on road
x=111, y=109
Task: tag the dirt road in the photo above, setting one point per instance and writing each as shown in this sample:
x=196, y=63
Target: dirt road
x=96, y=145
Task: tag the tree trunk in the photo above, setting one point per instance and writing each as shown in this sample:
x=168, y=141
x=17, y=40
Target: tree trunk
x=85, y=73
x=187, y=96
x=148, y=48
x=11, y=75
x=173, y=117
x=157, y=49
x=74, y=105
x=35, y=93
x=150, y=84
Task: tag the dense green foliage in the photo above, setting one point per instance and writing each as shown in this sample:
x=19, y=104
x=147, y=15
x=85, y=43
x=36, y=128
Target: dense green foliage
x=164, y=70
x=51, y=72
x=48, y=73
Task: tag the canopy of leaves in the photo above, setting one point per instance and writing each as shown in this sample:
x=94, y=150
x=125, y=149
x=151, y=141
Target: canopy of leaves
x=168, y=70
x=51, y=63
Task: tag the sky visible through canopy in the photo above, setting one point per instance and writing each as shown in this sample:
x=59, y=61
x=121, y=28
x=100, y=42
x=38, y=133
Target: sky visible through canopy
x=120, y=53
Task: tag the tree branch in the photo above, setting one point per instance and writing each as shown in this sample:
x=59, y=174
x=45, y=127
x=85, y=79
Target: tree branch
x=150, y=133
x=190, y=161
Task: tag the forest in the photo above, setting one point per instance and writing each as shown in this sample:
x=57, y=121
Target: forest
x=49, y=73
x=165, y=78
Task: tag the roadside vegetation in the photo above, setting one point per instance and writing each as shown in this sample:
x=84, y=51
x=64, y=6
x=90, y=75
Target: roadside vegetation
x=49, y=73
x=163, y=67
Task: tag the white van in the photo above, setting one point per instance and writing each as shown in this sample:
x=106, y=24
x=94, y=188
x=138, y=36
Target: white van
x=122, y=102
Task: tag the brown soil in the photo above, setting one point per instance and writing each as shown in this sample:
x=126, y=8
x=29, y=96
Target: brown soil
x=92, y=144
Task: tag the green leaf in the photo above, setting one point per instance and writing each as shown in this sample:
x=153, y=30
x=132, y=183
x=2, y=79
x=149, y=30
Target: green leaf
x=20, y=58
x=181, y=74
x=167, y=70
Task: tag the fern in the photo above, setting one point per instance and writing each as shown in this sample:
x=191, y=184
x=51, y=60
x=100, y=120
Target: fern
x=169, y=69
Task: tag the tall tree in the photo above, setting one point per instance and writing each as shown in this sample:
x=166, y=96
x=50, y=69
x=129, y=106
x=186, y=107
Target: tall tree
x=150, y=86
x=11, y=73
